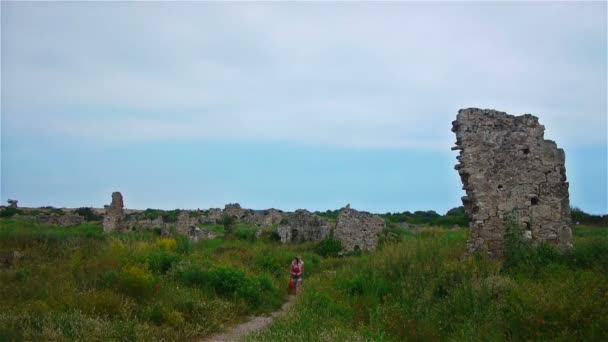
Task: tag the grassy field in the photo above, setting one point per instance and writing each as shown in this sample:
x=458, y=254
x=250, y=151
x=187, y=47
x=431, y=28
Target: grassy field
x=81, y=284
x=424, y=288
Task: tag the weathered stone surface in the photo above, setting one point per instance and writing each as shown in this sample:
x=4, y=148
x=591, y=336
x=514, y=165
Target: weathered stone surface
x=358, y=230
x=303, y=226
x=511, y=175
x=12, y=203
x=114, y=214
x=184, y=222
x=234, y=210
x=136, y=222
x=272, y=216
x=194, y=233
x=215, y=214
x=164, y=230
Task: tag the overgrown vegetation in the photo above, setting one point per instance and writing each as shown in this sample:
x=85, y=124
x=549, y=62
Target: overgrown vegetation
x=82, y=284
x=422, y=287
x=581, y=217
x=89, y=214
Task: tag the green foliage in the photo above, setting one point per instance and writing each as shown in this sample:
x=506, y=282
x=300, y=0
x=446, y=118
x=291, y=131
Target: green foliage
x=89, y=214
x=328, y=247
x=329, y=214
x=137, y=282
x=424, y=288
x=9, y=212
x=160, y=261
x=454, y=216
x=246, y=234
x=228, y=222
x=168, y=216
x=587, y=219
x=82, y=284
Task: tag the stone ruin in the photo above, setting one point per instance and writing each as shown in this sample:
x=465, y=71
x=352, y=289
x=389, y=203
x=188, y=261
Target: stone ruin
x=234, y=210
x=65, y=220
x=12, y=203
x=512, y=176
x=185, y=222
x=358, y=230
x=114, y=214
x=303, y=225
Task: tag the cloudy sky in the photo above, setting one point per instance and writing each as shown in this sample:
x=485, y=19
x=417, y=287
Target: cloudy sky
x=288, y=105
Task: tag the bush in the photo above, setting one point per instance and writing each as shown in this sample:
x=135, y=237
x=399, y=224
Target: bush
x=228, y=281
x=167, y=244
x=228, y=222
x=9, y=212
x=89, y=214
x=329, y=247
x=246, y=234
x=137, y=282
x=160, y=261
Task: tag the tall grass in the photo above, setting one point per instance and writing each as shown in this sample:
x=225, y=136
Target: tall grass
x=80, y=283
x=425, y=288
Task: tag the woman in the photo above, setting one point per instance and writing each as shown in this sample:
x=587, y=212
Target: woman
x=297, y=270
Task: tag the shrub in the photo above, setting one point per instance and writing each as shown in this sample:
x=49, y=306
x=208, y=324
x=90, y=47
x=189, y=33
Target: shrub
x=228, y=281
x=160, y=261
x=167, y=244
x=89, y=214
x=228, y=222
x=246, y=234
x=183, y=245
x=137, y=282
x=329, y=247
x=9, y=212
x=104, y=302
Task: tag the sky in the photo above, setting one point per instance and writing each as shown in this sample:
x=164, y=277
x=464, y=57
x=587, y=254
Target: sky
x=287, y=105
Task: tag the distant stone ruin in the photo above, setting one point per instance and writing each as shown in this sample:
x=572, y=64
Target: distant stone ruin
x=184, y=222
x=358, y=230
x=114, y=214
x=302, y=226
x=12, y=203
x=234, y=210
x=512, y=176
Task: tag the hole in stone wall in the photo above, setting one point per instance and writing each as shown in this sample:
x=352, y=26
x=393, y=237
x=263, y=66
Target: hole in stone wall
x=528, y=227
x=500, y=187
x=526, y=150
x=534, y=200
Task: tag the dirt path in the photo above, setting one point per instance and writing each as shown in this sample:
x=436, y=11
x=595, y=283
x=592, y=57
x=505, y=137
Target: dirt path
x=255, y=324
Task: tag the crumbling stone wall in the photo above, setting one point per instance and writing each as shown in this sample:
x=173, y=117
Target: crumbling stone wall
x=511, y=175
x=185, y=222
x=114, y=213
x=136, y=222
x=65, y=220
x=358, y=230
x=272, y=216
x=303, y=226
x=235, y=210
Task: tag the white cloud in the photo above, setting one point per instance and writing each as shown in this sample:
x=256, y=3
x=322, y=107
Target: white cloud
x=360, y=75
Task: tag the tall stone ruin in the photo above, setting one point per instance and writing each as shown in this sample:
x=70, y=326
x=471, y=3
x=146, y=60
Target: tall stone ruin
x=512, y=176
x=114, y=213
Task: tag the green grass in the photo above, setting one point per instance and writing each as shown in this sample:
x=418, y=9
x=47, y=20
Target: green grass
x=82, y=284
x=424, y=288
